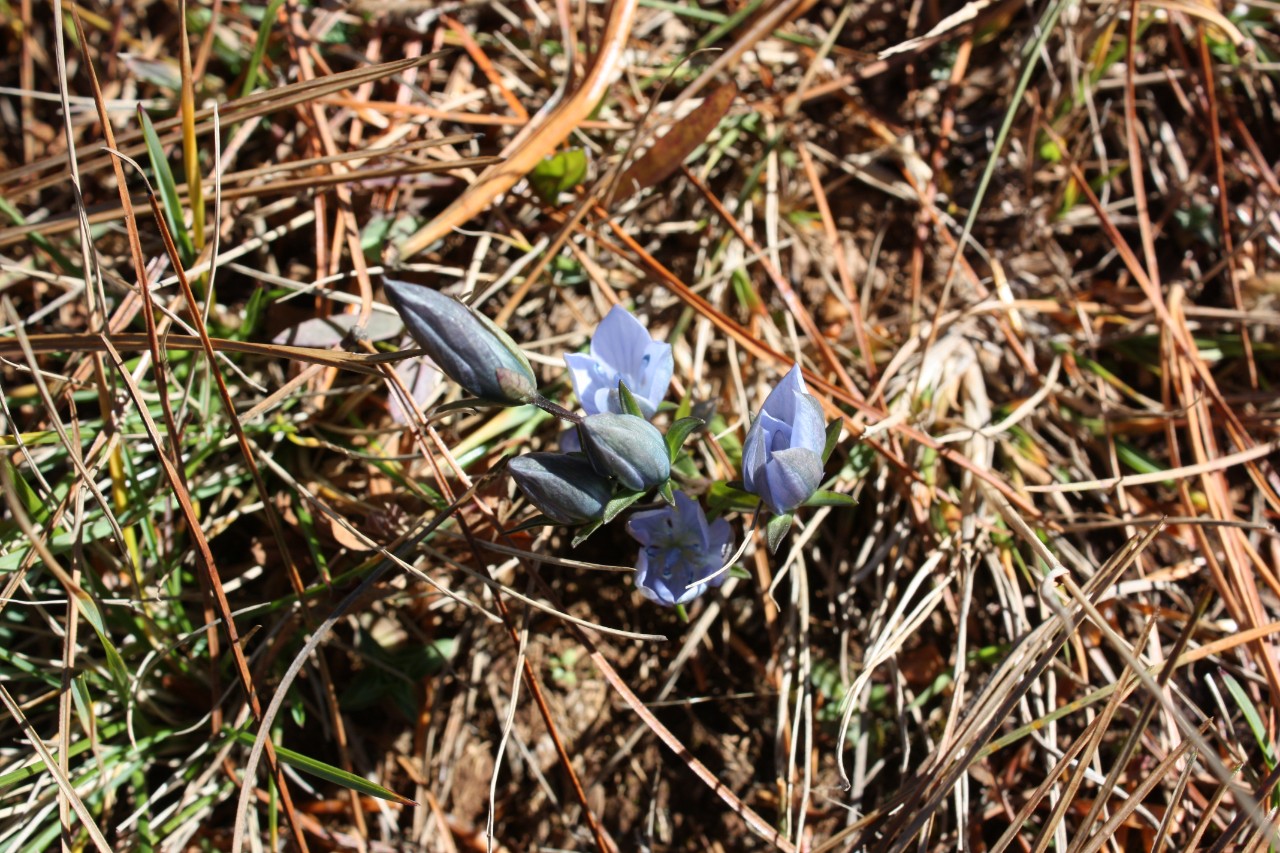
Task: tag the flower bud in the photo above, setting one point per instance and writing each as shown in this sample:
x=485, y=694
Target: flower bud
x=627, y=448
x=464, y=344
x=565, y=488
x=782, y=456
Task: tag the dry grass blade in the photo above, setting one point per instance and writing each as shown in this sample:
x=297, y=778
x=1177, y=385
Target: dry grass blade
x=50, y=763
x=243, y=109
x=55, y=343
x=551, y=126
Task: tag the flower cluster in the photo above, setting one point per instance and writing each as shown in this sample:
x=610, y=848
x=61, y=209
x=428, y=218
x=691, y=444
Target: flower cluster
x=613, y=455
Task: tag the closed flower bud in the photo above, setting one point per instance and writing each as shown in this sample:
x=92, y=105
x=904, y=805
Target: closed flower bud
x=464, y=344
x=565, y=488
x=627, y=448
x=782, y=456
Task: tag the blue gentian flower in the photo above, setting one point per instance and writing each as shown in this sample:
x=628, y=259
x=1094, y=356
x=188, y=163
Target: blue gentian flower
x=782, y=457
x=464, y=344
x=679, y=548
x=621, y=349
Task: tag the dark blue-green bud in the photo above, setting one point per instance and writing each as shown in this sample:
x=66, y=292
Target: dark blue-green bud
x=564, y=487
x=464, y=344
x=627, y=448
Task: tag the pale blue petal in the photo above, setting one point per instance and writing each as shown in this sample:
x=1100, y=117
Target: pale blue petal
x=809, y=429
x=690, y=521
x=582, y=373
x=793, y=476
x=777, y=432
x=652, y=527
x=782, y=401
x=655, y=377
x=680, y=549
x=620, y=341
x=754, y=457
x=644, y=582
x=720, y=540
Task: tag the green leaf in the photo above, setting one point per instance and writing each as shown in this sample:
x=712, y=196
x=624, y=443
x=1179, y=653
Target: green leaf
x=310, y=766
x=260, y=47
x=115, y=663
x=39, y=240
x=621, y=501
x=629, y=404
x=584, y=532
x=776, y=529
x=822, y=497
x=833, y=438
x=168, y=190
x=679, y=432
x=31, y=502
x=685, y=408
x=558, y=173
x=1253, y=719
x=729, y=497
x=536, y=521
x=745, y=291
x=667, y=494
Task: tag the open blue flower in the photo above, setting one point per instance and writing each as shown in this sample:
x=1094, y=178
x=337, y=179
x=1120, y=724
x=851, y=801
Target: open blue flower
x=621, y=349
x=679, y=548
x=782, y=457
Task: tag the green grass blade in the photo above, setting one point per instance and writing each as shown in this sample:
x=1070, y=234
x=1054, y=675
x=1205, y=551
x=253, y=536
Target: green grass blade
x=328, y=772
x=168, y=189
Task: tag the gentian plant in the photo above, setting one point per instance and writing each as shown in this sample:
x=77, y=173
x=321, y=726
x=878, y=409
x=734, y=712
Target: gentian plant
x=617, y=456
x=565, y=487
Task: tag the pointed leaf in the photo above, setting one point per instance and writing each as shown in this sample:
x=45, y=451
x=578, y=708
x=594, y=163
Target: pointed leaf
x=621, y=501
x=823, y=497
x=1252, y=718
x=537, y=521
x=833, y=438
x=629, y=404
x=167, y=188
x=730, y=497
x=115, y=663
x=679, y=432
x=584, y=532
x=685, y=408
x=776, y=529
x=667, y=493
